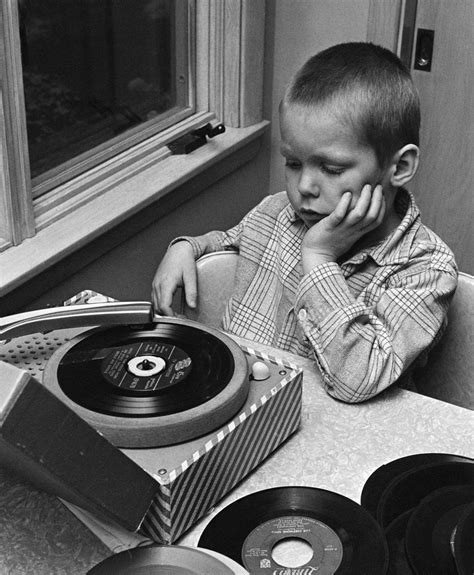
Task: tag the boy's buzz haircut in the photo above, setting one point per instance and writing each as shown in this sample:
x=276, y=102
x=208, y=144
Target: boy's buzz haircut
x=370, y=86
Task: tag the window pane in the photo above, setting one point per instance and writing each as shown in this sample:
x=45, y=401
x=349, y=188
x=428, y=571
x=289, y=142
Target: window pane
x=95, y=70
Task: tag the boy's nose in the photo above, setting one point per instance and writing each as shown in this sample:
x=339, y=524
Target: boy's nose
x=307, y=184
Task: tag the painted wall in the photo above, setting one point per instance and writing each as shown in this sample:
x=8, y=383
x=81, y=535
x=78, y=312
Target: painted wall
x=302, y=28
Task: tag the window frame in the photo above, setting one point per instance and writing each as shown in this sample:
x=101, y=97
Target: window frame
x=228, y=68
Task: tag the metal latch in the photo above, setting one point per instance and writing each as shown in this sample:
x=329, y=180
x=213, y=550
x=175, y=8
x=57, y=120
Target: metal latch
x=195, y=139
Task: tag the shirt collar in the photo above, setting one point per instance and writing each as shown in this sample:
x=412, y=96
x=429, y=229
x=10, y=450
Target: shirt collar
x=293, y=217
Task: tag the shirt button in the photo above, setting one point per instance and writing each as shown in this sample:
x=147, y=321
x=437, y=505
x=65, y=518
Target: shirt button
x=302, y=315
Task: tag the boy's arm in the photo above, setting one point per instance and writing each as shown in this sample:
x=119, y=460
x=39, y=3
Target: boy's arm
x=178, y=268
x=362, y=349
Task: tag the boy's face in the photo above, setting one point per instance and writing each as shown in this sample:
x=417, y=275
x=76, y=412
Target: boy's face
x=324, y=158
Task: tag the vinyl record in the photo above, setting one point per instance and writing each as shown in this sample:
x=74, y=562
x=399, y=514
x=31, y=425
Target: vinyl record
x=395, y=536
x=430, y=530
x=167, y=560
x=463, y=543
x=150, y=387
x=407, y=490
x=341, y=536
x=385, y=474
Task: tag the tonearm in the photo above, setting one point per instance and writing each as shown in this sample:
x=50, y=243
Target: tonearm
x=80, y=315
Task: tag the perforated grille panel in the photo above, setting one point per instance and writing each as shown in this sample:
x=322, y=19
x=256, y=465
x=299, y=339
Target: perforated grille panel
x=32, y=352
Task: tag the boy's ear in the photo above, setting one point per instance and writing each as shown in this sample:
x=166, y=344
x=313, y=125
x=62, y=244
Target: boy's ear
x=404, y=165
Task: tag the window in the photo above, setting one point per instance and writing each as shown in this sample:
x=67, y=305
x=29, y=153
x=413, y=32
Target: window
x=98, y=76
x=216, y=45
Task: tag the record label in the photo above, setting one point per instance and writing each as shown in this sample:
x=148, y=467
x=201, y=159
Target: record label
x=324, y=542
x=145, y=366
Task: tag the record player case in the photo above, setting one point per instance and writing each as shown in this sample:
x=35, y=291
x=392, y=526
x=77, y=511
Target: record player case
x=163, y=490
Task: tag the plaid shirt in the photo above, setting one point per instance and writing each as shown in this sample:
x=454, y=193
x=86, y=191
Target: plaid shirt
x=366, y=319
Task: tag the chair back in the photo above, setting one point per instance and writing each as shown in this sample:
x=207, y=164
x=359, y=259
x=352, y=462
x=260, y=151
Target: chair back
x=449, y=373
x=215, y=280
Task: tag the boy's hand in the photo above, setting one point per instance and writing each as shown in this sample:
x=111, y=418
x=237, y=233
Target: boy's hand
x=177, y=269
x=334, y=235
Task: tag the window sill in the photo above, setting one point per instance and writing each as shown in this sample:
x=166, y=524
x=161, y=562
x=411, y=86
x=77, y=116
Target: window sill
x=88, y=222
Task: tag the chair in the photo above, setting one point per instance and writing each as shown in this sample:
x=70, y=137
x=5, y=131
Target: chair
x=215, y=280
x=449, y=373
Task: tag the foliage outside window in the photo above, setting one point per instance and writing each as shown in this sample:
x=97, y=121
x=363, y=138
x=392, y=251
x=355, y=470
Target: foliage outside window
x=96, y=70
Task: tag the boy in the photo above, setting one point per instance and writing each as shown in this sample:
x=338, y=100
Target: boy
x=338, y=267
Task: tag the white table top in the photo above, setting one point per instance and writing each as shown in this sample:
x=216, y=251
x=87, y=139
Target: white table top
x=338, y=445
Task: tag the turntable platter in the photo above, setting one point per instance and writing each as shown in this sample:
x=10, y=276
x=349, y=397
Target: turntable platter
x=143, y=387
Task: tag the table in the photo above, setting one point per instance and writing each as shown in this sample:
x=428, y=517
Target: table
x=337, y=447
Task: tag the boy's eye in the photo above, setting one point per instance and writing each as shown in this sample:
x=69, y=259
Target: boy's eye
x=332, y=170
x=292, y=164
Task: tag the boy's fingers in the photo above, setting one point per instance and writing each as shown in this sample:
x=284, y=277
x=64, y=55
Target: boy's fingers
x=376, y=212
x=163, y=305
x=377, y=205
x=162, y=297
x=363, y=204
x=190, y=286
x=155, y=297
x=341, y=209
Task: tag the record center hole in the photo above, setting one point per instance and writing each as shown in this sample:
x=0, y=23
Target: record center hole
x=146, y=364
x=292, y=552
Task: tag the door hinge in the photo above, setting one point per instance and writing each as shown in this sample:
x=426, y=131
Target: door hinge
x=195, y=139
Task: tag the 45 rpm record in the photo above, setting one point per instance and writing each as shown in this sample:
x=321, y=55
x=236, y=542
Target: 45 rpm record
x=151, y=387
x=407, y=490
x=343, y=538
x=395, y=536
x=431, y=528
x=385, y=474
x=463, y=542
x=167, y=560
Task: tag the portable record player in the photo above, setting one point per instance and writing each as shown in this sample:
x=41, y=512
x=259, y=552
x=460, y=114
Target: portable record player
x=182, y=413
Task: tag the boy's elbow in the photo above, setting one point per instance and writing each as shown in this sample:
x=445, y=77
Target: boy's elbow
x=349, y=393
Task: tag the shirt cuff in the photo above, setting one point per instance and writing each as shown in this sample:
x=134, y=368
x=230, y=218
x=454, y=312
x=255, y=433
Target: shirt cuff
x=197, y=250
